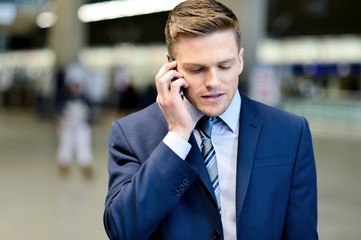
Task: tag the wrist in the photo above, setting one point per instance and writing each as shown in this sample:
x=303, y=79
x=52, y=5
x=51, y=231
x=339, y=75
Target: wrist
x=180, y=146
x=185, y=134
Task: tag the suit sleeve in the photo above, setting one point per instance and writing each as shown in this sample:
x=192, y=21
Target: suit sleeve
x=301, y=218
x=141, y=193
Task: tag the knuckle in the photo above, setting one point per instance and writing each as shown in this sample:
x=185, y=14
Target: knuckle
x=159, y=100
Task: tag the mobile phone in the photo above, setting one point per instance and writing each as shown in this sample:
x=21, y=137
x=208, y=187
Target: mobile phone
x=181, y=89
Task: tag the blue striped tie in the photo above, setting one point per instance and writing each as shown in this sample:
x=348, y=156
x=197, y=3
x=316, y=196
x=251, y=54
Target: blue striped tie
x=205, y=125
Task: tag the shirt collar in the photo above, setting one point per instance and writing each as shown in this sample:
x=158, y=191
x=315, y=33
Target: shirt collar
x=230, y=116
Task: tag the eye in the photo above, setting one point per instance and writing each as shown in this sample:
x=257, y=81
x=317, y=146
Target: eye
x=196, y=70
x=224, y=67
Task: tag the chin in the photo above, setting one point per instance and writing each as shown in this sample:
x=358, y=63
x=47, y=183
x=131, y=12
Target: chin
x=213, y=111
x=210, y=109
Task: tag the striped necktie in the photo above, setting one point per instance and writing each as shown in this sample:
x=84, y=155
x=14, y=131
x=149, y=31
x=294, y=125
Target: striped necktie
x=205, y=125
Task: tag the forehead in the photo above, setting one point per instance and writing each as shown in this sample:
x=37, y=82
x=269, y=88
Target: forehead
x=218, y=46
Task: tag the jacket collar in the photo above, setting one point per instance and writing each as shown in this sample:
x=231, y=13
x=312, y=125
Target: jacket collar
x=249, y=131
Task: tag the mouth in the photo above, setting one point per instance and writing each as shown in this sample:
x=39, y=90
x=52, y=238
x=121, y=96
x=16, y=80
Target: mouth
x=215, y=97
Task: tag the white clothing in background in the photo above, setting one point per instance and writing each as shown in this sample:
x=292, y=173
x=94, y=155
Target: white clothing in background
x=75, y=135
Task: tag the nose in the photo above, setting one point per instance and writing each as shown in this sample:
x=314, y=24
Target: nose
x=212, y=79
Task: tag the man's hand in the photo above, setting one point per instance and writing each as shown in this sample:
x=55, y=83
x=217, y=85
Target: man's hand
x=170, y=102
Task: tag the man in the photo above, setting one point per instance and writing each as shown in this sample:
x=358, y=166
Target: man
x=159, y=184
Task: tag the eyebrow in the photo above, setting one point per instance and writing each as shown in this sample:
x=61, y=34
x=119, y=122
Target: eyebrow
x=202, y=65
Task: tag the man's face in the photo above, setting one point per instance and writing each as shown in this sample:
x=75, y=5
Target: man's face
x=211, y=66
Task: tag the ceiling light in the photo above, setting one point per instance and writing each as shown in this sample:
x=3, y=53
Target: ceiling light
x=117, y=9
x=46, y=19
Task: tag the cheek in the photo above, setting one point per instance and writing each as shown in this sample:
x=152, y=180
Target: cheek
x=193, y=83
x=231, y=80
x=192, y=86
x=235, y=80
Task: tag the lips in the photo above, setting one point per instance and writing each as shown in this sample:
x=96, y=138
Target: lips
x=213, y=97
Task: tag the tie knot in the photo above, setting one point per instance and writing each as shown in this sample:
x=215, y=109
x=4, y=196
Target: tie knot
x=205, y=125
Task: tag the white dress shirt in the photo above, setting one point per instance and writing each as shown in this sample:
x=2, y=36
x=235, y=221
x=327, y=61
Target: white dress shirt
x=225, y=142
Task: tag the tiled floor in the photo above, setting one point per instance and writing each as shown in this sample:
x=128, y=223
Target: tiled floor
x=37, y=204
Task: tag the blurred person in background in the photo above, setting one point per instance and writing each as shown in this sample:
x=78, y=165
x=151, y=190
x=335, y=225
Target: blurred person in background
x=75, y=130
x=168, y=181
x=6, y=82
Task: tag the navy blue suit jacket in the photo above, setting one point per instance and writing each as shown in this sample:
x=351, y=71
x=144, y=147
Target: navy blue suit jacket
x=153, y=194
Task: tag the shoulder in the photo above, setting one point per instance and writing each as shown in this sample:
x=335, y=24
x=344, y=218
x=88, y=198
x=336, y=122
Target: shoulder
x=268, y=113
x=148, y=115
x=146, y=122
x=139, y=132
x=274, y=120
x=279, y=129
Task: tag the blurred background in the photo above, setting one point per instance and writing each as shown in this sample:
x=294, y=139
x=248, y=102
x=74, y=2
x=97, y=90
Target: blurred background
x=303, y=56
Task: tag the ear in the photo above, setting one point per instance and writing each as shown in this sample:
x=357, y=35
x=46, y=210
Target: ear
x=240, y=58
x=168, y=58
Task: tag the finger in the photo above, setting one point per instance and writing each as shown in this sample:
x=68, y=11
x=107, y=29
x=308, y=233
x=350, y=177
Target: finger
x=166, y=67
x=163, y=76
x=177, y=85
x=163, y=82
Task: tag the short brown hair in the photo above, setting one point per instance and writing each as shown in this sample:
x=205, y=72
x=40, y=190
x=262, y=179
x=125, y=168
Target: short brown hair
x=199, y=18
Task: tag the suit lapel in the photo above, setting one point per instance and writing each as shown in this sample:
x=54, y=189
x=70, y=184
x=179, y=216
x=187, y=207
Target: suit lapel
x=249, y=130
x=195, y=158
